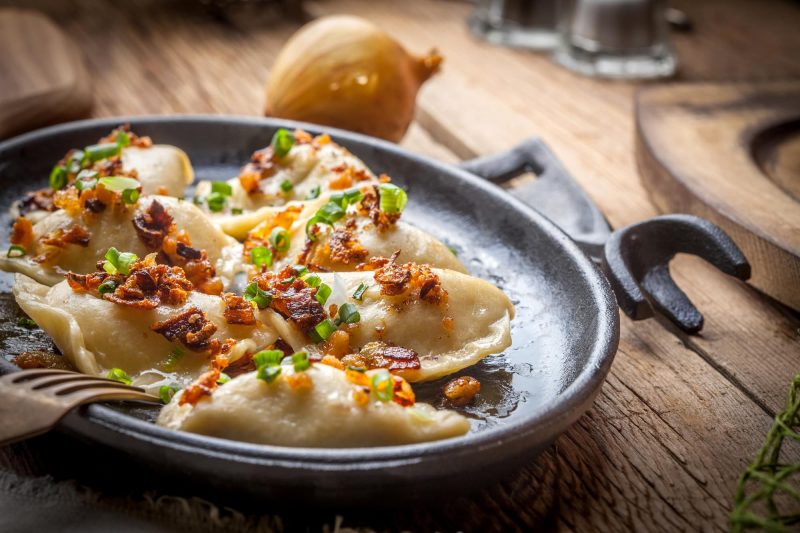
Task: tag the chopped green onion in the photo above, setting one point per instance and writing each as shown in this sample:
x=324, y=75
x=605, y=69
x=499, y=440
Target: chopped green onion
x=323, y=292
x=452, y=250
x=288, y=280
x=313, y=194
x=268, y=358
x=359, y=294
x=237, y=210
x=300, y=270
x=117, y=374
x=269, y=373
x=348, y=314
x=119, y=183
x=282, y=142
x=348, y=197
x=356, y=369
x=86, y=179
x=393, y=198
x=312, y=280
x=222, y=188
x=286, y=186
x=117, y=261
x=123, y=139
x=58, y=177
x=77, y=161
x=279, y=239
x=166, y=392
x=223, y=378
x=216, y=202
x=173, y=357
x=327, y=214
x=15, y=250
x=107, y=286
x=300, y=361
x=254, y=293
x=198, y=200
x=323, y=330
x=261, y=255
x=96, y=152
x=130, y=196
x=383, y=385
x=27, y=322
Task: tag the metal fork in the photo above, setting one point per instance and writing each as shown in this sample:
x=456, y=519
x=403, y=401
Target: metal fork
x=33, y=401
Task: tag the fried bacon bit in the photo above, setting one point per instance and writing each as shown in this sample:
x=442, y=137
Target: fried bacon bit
x=259, y=236
x=41, y=200
x=299, y=381
x=338, y=344
x=75, y=234
x=354, y=360
x=302, y=137
x=384, y=178
x=191, y=328
x=295, y=300
x=153, y=225
x=419, y=280
x=332, y=361
x=22, y=233
x=345, y=247
x=261, y=166
x=321, y=140
x=139, y=142
x=42, y=359
x=344, y=180
x=147, y=287
x=204, y=386
x=461, y=390
x=360, y=396
x=237, y=310
x=381, y=355
x=195, y=263
x=370, y=206
x=403, y=393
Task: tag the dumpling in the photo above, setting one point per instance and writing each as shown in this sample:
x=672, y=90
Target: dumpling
x=76, y=240
x=97, y=335
x=350, y=241
x=418, y=322
x=310, y=169
x=324, y=409
x=160, y=168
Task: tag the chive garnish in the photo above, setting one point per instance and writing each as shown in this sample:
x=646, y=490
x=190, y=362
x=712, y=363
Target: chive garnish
x=286, y=186
x=130, y=196
x=58, y=177
x=117, y=374
x=107, y=286
x=237, y=210
x=166, y=392
x=348, y=314
x=97, y=152
x=383, y=385
x=312, y=280
x=119, y=262
x=313, y=194
x=223, y=378
x=393, y=198
x=269, y=373
x=254, y=293
x=173, y=357
x=323, y=330
x=268, y=358
x=15, y=250
x=119, y=183
x=222, y=188
x=216, y=202
x=27, y=322
x=323, y=292
x=86, y=179
x=359, y=294
x=279, y=239
x=301, y=361
x=282, y=142
x=300, y=270
x=261, y=255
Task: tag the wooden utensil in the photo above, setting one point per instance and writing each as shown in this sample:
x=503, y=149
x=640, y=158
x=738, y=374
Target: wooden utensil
x=33, y=401
x=42, y=76
x=730, y=153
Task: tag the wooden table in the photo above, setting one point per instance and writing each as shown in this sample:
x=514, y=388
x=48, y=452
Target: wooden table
x=680, y=416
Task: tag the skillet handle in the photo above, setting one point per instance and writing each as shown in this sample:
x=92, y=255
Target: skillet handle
x=636, y=258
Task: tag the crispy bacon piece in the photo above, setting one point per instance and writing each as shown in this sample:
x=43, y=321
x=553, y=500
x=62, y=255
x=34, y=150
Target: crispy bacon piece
x=370, y=206
x=418, y=280
x=261, y=166
x=207, y=383
x=195, y=263
x=140, y=142
x=146, y=287
x=91, y=282
x=345, y=247
x=42, y=359
x=295, y=300
x=461, y=390
x=237, y=310
x=191, y=328
x=259, y=236
x=302, y=137
x=75, y=234
x=41, y=200
x=381, y=355
x=403, y=393
x=153, y=225
x=22, y=233
x=392, y=277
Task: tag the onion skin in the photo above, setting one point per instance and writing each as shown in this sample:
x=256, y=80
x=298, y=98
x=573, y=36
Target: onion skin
x=342, y=71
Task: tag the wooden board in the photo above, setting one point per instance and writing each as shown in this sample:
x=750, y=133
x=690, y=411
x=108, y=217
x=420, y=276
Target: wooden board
x=730, y=153
x=42, y=77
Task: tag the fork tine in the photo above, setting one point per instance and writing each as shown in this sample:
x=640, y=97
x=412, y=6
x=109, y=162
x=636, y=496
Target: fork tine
x=50, y=381
x=109, y=393
x=66, y=389
x=33, y=374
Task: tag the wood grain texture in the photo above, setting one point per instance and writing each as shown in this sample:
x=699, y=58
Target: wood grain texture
x=696, y=148
x=42, y=76
x=679, y=417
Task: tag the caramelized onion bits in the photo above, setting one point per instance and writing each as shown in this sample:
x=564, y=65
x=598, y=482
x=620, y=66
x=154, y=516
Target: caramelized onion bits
x=370, y=206
x=22, y=233
x=292, y=298
x=191, y=328
x=132, y=138
x=42, y=359
x=418, y=281
x=345, y=247
x=461, y=390
x=208, y=382
x=261, y=166
x=41, y=200
x=378, y=354
x=75, y=234
x=153, y=225
x=237, y=310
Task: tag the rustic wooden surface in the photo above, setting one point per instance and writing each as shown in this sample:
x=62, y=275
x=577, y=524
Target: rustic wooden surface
x=680, y=416
x=714, y=167
x=42, y=76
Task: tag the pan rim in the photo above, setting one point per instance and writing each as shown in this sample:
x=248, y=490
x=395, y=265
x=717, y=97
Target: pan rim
x=550, y=419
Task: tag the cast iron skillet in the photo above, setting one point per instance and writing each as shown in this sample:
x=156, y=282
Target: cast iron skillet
x=564, y=335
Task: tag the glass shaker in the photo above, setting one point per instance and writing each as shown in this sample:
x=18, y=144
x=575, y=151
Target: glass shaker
x=531, y=24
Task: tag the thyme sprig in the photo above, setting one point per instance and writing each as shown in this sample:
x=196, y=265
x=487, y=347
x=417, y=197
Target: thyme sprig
x=768, y=492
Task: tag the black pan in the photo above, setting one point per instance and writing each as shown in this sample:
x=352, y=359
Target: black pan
x=564, y=335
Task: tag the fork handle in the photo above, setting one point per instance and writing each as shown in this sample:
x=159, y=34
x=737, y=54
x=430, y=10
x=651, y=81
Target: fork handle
x=20, y=423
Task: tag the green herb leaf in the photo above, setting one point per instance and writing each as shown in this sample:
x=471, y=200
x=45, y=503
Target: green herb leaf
x=300, y=270
x=347, y=198
x=268, y=358
x=323, y=330
x=173, y=357
x=323, y=292
x=261, y=255
x=222, y=188
x=117, y=374
x=269, y=373
x=15, y=250
x=119, y=183
x=223, y=378
x=282, y=142
x=97, y=152
x=313, y=194
x=286, y=186
x=123, y=139
x=77, y=160
x=279, y=239
x=27, y=322
x=119, y=262
x=107, y=286
x=393, y=198
x=301, y=361
x=359, y=294
x=198, y=200
x=254, y=293
x=130, y=196
x=383, y=385
x=216, y=202
x=348, y=314
x=166, y=392
x=237, y=210
x=58, y=177
x=312, y=280
x=86, y=179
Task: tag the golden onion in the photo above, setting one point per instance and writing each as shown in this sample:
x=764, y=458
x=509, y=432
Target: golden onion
x=343, y=71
